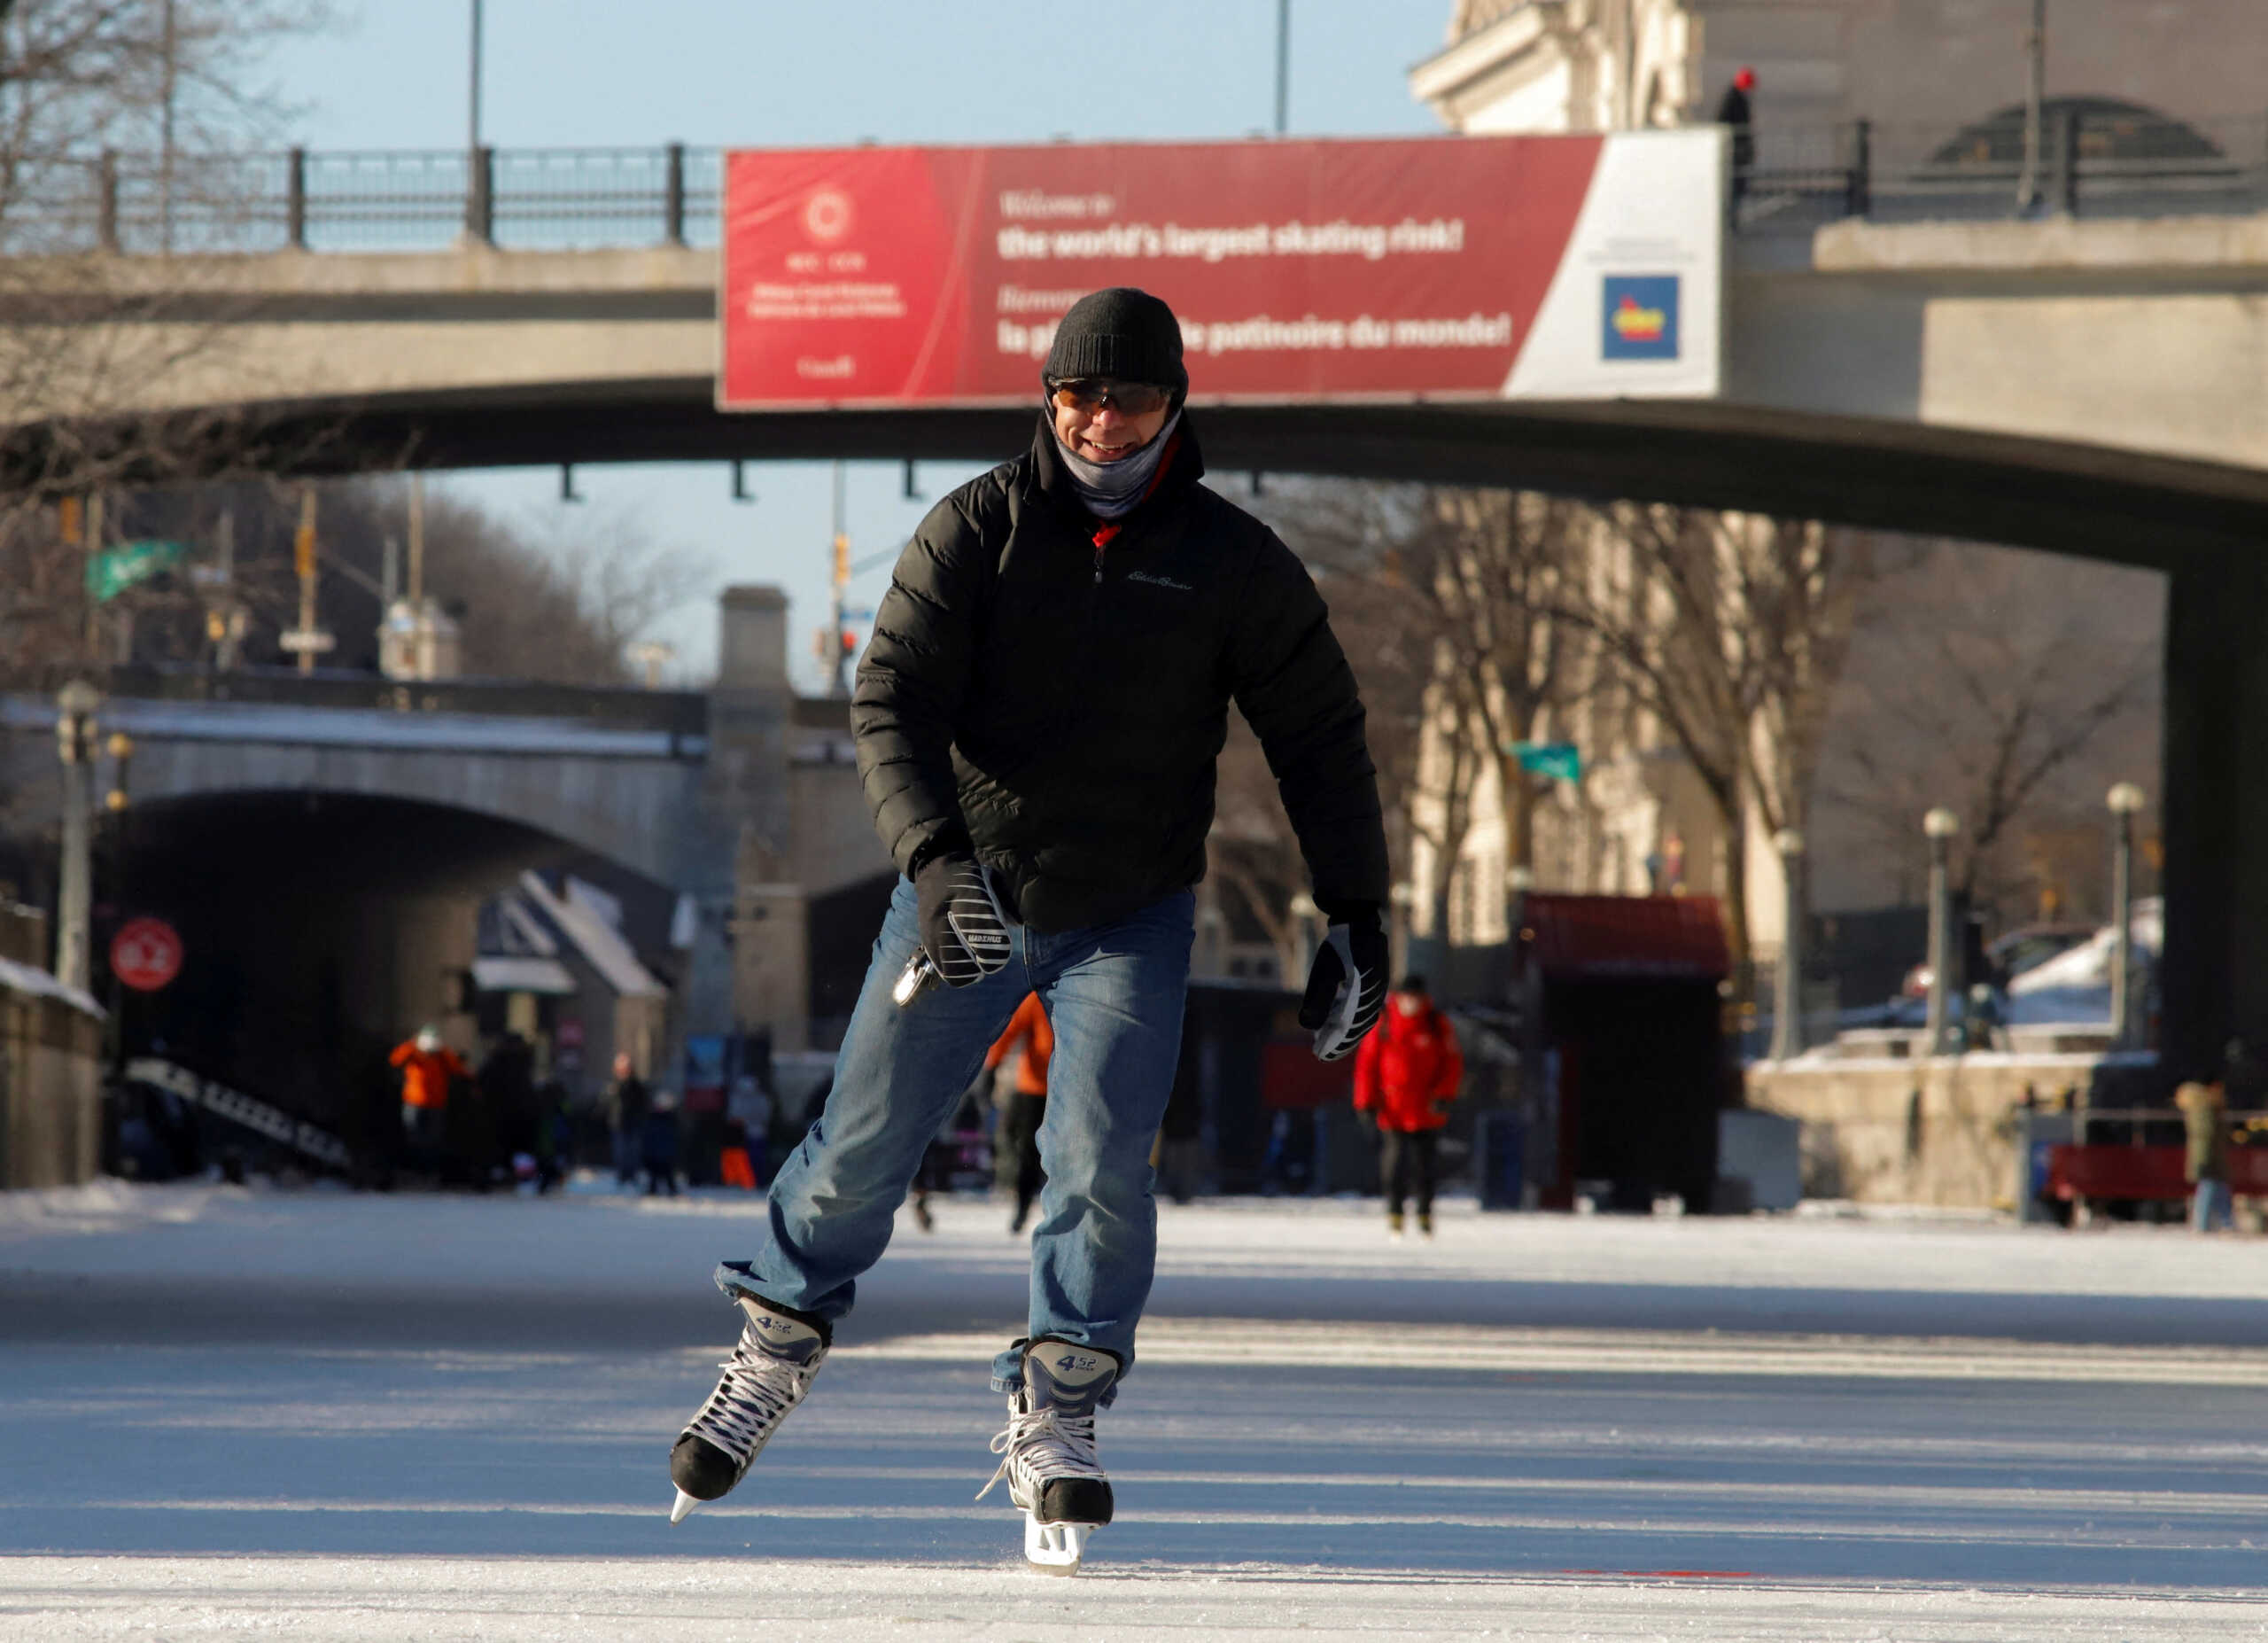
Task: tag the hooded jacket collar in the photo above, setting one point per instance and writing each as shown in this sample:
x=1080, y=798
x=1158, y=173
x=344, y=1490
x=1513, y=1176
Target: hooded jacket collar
x=1055, y=483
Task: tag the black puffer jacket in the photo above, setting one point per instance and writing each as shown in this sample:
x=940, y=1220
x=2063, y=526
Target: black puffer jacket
x=1063, y=705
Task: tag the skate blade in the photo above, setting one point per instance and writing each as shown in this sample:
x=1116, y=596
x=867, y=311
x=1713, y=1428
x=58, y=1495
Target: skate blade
x=1055, y=1548
x=683, y=1504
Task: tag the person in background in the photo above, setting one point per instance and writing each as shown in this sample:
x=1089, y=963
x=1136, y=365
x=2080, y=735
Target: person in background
x=623, y=1105
x=1026, y=1109
x=1179, y=1154
x=751, y=1107
x=554, y=1136
x=2204, y=1112
x=658, y=1144
x=1406, y=1073
x=1735, y=112
x=499, y=1127
x=428, y=1066
x=735, y=1167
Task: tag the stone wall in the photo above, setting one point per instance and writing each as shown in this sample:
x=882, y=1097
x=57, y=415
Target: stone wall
x=1939, y=1131
x=50, y=1091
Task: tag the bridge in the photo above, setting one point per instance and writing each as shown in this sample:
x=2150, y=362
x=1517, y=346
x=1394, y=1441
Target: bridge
x=2084, y=382
x=393, y=809
x=616, y=773
x=2077, y=382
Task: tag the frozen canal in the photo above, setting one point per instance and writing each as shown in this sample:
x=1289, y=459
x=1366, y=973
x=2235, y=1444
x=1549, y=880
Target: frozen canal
x=318, y=1415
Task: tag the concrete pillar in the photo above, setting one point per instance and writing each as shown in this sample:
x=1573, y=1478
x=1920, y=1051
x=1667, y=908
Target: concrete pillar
x=2214, y=974
x=744, y=792
x=752, y=640
x=771, y=983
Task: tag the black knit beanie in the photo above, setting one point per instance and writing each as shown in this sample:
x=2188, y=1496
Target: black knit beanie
x=1121, y=332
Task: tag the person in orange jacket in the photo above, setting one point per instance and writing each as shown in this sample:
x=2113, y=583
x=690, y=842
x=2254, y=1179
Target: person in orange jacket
x=1021, y=1118
x=1406, y=1073
x=427, y=1066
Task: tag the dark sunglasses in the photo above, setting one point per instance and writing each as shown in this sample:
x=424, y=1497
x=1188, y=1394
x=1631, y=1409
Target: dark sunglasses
x=1132, y=399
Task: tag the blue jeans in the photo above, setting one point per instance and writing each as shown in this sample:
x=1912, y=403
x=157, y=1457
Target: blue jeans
x=2209, y=1205
x=1113, y=995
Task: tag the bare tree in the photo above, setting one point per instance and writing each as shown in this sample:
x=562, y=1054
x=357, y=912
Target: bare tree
x=2012, y=688
x=1494, y=578
x=1730, y=630
x=561, y=613
x=89, y=338
x=1458, y=593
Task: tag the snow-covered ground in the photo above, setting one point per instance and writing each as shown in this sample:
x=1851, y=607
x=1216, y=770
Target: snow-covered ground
x=314, y=1414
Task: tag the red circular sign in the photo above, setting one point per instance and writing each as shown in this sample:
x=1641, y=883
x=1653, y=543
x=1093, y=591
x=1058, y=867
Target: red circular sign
x=145, y=953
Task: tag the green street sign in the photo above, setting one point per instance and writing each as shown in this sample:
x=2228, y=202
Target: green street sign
x=114, y=569
x=1562, y=761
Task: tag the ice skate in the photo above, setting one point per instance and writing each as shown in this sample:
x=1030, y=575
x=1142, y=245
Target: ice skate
x=769, y=1371
x=1047, y=1453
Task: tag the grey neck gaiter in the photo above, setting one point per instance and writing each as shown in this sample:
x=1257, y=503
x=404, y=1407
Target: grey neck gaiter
x=1111, y=490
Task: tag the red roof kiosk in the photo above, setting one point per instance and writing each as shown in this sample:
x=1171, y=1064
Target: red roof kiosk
x=1625, y=1044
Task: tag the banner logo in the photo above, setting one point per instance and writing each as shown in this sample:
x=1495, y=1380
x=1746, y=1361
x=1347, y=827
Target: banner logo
x=829, y=215
x=1640, y=314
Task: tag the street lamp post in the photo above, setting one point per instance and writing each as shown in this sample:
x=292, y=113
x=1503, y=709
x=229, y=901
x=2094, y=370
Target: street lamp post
x=2124, y=801
x=74, y=737
x=1787, y=1008
x=2029, y=191
x=1940, y=825
x=1282, y=66
x=472, y=143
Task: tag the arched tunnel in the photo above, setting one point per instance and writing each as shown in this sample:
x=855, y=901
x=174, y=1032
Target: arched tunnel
x=318, y=930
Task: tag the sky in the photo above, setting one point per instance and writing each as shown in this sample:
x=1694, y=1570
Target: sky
x=599, y=74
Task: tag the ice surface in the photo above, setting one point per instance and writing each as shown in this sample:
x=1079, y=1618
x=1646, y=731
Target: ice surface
x=314, y=1414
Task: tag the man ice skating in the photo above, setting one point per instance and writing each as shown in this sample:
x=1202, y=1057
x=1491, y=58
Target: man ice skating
x=1038, y=719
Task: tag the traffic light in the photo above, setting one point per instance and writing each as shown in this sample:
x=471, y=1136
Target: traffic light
x=303, y=544
x=842, y=559
x=70, y=521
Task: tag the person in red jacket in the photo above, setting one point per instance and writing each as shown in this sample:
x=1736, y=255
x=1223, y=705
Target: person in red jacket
x=428, y=1068
x=1406, y=1073
x=1027, y=1108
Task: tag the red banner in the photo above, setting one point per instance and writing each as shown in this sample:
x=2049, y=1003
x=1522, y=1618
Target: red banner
x=1299, y=270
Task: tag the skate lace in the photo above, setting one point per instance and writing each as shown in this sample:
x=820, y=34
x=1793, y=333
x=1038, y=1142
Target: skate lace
x=1044, y=1445
x=755, y=1391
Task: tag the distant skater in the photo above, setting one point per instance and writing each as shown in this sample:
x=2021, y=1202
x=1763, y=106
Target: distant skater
x=623, y=1105
x=1735, y=112
x=1032, y=1042
x=2204, y=1113
x=429, y=1067
x=1406, y=1074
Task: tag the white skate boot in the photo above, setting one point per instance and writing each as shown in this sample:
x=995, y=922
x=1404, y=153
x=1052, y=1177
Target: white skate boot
x=769, y=1371
x=1047, y=1453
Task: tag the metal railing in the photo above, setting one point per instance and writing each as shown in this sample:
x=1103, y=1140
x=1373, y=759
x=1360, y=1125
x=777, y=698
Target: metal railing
x=2089, y=162
x=534, y=199
x=683, y=714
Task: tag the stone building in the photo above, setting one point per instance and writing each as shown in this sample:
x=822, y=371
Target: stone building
x=1922, y=74
x=1518, y=65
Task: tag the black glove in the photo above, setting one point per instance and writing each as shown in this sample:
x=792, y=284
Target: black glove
x=1347, y=983
x=962, y=929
